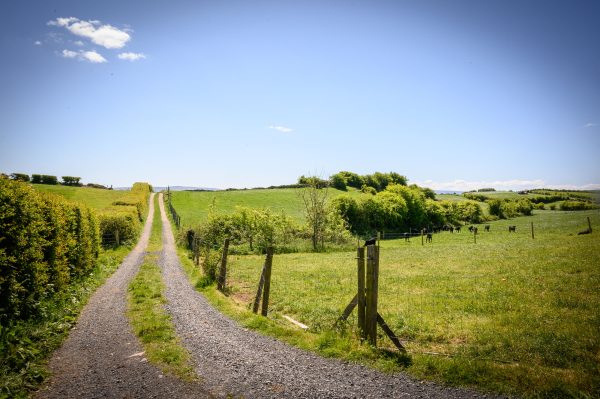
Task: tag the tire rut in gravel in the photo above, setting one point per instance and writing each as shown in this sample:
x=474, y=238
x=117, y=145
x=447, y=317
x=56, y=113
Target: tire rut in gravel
x=101, y=357
x=233, y=360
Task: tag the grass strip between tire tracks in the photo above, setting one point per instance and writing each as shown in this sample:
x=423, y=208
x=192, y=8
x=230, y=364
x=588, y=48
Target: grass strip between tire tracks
x=148, y=317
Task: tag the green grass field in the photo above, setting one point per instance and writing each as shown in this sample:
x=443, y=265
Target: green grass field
x=193, y=206
x=93, y=197
x=508, y=313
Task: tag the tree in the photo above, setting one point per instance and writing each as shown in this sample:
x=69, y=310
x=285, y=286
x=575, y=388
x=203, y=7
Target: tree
x=338, y=181
x=71, y=180
x=314, y=199
x=20, y=177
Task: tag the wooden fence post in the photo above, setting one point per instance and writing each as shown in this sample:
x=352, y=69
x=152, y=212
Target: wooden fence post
x=422, y=242
x=223, y=269
x=589, y=224
x=372, y=292
x=361, y=292
x=532, y=235
x=259, y=291
x=117, y=237
x=267, y=287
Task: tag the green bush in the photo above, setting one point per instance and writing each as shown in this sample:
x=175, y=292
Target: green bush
x=576, y=206
x=45, y=243
x=126, y=214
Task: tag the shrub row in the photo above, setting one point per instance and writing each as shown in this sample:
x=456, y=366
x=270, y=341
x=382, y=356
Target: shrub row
x=511, y=208
x=400, y=208
x=124, y=216
x=46, y=242
x=576, y=205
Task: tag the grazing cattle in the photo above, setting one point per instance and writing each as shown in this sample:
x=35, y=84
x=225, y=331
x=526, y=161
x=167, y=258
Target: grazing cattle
x=471, y=228
x=512, y=229
x=406, y=237
x=487, y=228
x=371, y=241
x=474, y=230
x=429, y=238
x=457, y=228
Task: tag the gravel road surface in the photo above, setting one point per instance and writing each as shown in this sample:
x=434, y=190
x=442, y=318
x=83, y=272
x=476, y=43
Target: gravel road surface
x=102, y=358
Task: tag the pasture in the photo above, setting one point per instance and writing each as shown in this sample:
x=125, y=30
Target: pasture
x=193, y=206
x=509, y=313
x=95, y=198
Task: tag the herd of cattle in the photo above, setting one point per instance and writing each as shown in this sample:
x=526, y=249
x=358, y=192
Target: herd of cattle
x=427, y=233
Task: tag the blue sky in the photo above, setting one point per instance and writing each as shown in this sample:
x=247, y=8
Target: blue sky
x=452, y=94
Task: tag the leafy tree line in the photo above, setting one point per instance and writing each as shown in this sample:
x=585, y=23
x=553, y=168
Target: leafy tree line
x=52, y=180
x=253, y=230
x=46, y=243
x=402, y=208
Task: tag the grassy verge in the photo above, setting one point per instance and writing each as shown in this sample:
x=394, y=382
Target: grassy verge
x=27, y=345
x=510, y=314
x=150, y=321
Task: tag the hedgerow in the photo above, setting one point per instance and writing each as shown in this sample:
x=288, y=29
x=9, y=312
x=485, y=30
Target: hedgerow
x=46, y=242
x=124, y=216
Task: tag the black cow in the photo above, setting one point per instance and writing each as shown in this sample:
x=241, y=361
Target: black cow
x=406, y=237
x=512, y=229
x=487, y=228
x=457, y=228
x=429, y=238
x=371, y=241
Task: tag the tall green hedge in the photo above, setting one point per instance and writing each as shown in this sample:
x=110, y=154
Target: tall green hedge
x=46, y=242
x=126, y=214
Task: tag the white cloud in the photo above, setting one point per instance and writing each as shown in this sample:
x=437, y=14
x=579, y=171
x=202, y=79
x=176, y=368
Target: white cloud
x=131, y=56
x=503, y=185
x=103, y=35
x=93, y=57
x=69, y=54
x=78, y=43
x=90, y=56
x=591, y=124
x=37, y=43
x=281, y=129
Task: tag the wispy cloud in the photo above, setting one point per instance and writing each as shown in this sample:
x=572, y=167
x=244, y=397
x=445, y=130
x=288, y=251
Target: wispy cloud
x=103, y=35
x=591, y=124
x=131, y=56
x=281, y=129
x=503, y=185
x=78, y=43
x=37, y=43
x=69, y=54
x=89, y=56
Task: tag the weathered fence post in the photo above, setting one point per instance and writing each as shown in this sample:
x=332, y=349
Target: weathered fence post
x=532, y=235
x=223, y=269
x=267, y=287
x=589, y=224
x=259, y=291
x=117, y=238
x=422, y=232
x=372, y=292
x=361, y=292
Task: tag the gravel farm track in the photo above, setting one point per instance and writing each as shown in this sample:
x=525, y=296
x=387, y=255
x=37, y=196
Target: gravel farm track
x=101, y=358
